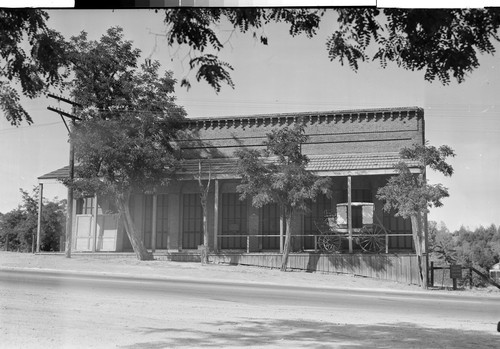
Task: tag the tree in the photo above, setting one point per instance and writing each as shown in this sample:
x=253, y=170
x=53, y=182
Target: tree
x=441, y=243
x=280, y=177
x=53, y=225
x=443, y=42
x=10, y=229
x=129, y=119
x=43, y=66
x=478, y=248
x=411, y=195
x=18, y=227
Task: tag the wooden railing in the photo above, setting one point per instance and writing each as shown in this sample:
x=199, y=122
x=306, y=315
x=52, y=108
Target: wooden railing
x=250, y=244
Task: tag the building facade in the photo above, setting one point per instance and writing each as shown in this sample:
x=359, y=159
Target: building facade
x=356, y=148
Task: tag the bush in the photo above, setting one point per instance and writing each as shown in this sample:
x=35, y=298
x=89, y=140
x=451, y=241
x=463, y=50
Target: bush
x=18, y=228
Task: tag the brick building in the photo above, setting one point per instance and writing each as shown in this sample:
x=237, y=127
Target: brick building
x=357, y=148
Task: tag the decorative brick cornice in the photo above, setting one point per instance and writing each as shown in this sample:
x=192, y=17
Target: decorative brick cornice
x=307, y=117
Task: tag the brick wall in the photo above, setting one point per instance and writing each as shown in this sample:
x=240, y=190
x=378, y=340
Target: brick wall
x=329, y=133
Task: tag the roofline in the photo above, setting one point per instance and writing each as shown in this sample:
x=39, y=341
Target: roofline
x=418, y=111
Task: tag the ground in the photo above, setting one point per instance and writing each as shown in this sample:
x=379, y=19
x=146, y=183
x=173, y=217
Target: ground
x=132, y=266
x=180, y=321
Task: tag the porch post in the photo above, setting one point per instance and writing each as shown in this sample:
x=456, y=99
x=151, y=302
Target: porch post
x=39, y=227
x=216, y=216
x=426, y=251
x=153, y=224
x=94, y=213
x=426, y=245
x=349, y=212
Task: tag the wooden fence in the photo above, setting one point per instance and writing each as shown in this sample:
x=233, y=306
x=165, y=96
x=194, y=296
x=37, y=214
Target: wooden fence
x=396, y=267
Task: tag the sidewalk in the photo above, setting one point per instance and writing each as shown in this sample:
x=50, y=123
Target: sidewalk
x=131, y=267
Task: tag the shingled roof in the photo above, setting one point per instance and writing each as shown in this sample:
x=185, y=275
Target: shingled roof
x=323, y=165
x=57, y=174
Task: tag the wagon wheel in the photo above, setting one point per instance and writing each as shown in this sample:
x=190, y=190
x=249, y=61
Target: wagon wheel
x=372, y=238
x=329, y=243
x=328, y=240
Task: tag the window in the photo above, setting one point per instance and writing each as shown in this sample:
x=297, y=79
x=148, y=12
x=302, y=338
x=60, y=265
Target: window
x=161, y=222
x=192, y=221
x=234, y=221
x=85, y=205
x=148, y=220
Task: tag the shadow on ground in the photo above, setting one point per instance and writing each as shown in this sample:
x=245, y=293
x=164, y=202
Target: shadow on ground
x=296, y=333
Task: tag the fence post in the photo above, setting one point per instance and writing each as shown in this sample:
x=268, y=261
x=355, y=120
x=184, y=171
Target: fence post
x=248, y=243
x=432, y=274
x=470, y=278
x=386, y=243
x=315, y=243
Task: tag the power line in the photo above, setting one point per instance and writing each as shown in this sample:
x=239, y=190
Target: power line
x=30, y=127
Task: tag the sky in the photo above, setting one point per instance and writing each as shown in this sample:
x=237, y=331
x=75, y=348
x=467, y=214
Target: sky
x=291, y=74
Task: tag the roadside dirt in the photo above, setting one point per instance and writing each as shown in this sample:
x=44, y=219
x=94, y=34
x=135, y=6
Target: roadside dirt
x=133, y=267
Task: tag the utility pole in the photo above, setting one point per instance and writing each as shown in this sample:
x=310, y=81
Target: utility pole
x=39, y=227
x=69, y=210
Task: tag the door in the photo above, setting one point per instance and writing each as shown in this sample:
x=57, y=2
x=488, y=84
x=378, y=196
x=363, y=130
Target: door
x=107, y=232
x=84, y=237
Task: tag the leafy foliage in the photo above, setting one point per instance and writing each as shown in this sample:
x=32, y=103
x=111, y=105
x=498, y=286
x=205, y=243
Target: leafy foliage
x=120, y=154
x=441, y=244
x=196, y=28
x=44, y=65
x=19, y=226
x=129, y=117
x=212, y=70
x=129, y=120
x=443, y=42
x=479, y=248
x=409, y=194
x=103, y=70
x=279, y=176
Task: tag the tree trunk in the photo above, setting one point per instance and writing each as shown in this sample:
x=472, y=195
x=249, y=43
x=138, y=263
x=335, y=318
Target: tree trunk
x=417, y=225
x=288, y=238
x=140, y=250
x=204, y=253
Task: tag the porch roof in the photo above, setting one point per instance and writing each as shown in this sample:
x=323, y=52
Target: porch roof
x=61, y=173
x=322, y=165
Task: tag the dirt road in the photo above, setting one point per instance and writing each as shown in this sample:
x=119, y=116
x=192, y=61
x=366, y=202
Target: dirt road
x=48, y=310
